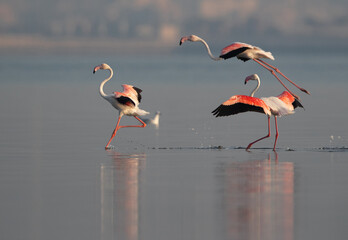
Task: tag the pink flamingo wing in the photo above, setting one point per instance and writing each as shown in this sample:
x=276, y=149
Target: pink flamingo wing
x=241, y=103
x=253, y=101
x=124, y=99
x=128, y=96
x=132, y=91
x=288, y=99
x=128, y=89
x=234, y=49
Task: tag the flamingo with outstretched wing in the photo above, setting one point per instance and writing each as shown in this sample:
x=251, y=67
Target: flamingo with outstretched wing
x=280, y=105
x=245, y=52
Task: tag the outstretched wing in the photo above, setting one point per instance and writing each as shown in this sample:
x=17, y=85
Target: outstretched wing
x=234, y=49
x=241, y=103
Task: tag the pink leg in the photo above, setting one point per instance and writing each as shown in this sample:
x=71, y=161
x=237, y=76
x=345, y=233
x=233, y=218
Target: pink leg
x=278, y=71
x=142, y=126
x=276, y=157
x=114, y=132
x=272, y=71
x=118, y=127
x=276, y=136
x=268, y=135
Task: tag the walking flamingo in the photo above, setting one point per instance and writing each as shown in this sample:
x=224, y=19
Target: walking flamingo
x=281, y=105
x=125, y=102
x=245, y=52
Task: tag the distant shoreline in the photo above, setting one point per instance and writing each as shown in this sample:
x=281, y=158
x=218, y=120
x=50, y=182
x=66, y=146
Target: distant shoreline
x=38, y=44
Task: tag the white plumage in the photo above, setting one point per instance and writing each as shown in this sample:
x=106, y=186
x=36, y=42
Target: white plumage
x=278, y=107
x=126, y=102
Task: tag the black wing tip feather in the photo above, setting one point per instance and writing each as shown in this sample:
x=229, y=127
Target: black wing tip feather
x=296, y=103
x=138, y=90
x=216, y=111
x=227, y=110
x=223, y=111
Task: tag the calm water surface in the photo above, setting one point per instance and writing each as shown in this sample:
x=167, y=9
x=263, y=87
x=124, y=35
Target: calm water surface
x=58, y=182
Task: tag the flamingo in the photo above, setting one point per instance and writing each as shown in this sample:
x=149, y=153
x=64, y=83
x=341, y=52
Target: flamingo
x=283, y=104
x=154, y=121
x=125, y=102
x=245, y=52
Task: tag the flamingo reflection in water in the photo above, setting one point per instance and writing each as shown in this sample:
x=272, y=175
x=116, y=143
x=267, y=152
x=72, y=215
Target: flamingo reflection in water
x=258, y=199
x=120, y=189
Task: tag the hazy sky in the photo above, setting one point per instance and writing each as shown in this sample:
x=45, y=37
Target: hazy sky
x=165, y=20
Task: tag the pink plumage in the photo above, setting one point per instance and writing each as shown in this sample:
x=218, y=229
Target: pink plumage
x=283, y=104
x=245, y=52
x=241, y=103
x=126, y=102
x=235, y=46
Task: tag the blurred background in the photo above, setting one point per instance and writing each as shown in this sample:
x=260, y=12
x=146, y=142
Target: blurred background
x=156, y=25
x=175, y=182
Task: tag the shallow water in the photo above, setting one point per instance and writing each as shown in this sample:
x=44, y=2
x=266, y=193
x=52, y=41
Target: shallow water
x=191, y=178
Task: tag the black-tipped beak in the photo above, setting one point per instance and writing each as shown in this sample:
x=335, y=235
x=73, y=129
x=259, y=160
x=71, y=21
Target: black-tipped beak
x=182, y=40
x=96, y=68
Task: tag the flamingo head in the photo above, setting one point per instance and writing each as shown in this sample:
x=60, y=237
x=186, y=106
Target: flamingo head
x=251, y=77
x=102, y=66
x=191, y=38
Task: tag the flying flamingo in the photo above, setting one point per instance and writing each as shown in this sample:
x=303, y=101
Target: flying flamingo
x=281, y=105
x=125, y=102
x=245, y=52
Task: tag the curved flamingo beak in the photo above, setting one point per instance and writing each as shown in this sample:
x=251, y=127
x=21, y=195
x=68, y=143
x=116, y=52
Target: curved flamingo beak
x=251, y=77
x=182, y=40
x=247, y=79
x=96, y=69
